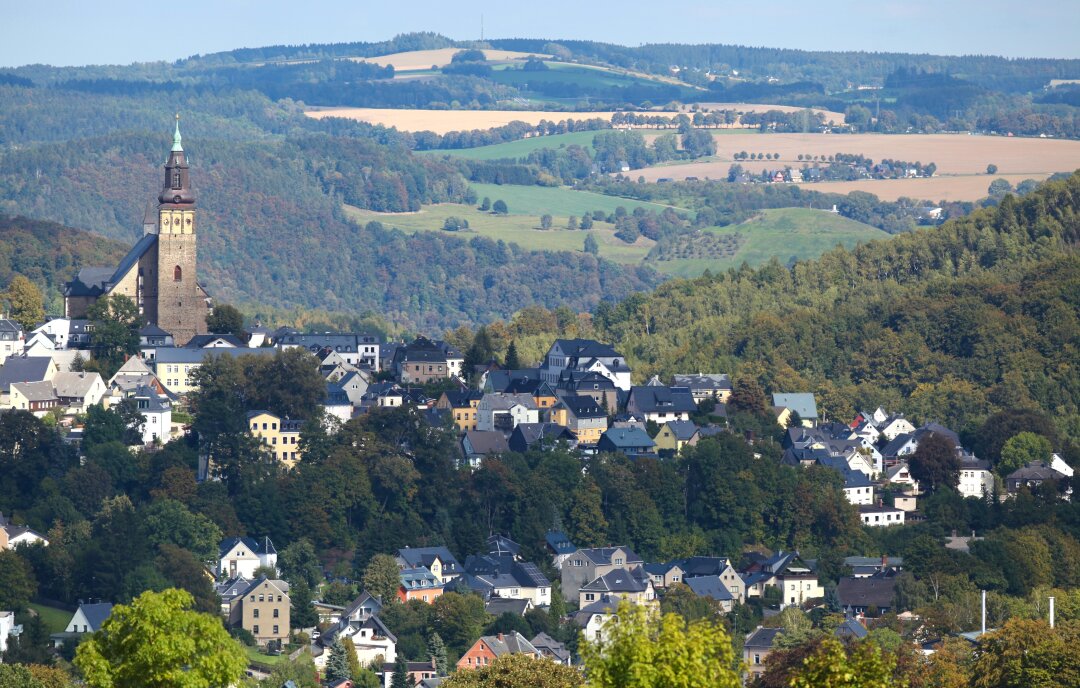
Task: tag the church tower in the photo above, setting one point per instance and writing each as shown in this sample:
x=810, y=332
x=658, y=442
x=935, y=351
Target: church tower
x=180, y=304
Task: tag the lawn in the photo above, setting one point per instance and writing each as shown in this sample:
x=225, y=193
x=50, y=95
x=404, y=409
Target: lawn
x=520, y=149
x=782, y=232
x=523, y=230
x=56, y=619
x=558, y=201
x=256, y=655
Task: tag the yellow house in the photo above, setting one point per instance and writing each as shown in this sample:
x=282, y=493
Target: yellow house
x=582, y=415
x=462, y=407
x=280, y=435
x=174, y=366
x=675, y=435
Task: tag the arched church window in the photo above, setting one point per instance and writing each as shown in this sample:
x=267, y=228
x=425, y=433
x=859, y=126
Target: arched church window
x=177, y=274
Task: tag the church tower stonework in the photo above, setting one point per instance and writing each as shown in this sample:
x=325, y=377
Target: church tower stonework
x=180, y=303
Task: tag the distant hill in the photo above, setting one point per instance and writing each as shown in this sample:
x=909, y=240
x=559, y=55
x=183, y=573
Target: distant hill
x=50, y=254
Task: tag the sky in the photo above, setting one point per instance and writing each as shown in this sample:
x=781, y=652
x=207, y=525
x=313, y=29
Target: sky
x=67, y=32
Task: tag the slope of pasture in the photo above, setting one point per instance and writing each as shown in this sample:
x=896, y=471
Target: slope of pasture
x=953, y=153
x=557, y=201
x=803, y=233
x=587, y=76
x=426, y=59
x=516, y=150
x=444, y=121
x=521, y=229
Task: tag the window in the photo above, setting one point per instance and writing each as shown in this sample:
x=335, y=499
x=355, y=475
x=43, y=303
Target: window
x=177, y=274
x=275, y=629
x=757, y=659
x=255, y=630
x=255, y=613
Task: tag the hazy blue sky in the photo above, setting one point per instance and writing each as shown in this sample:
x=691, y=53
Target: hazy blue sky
x=67, y=32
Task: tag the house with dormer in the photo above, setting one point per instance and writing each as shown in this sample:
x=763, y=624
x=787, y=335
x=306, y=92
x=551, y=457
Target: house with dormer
x=585, y=355
x=587, y=564
x=661, y=404
x=795, y=580
x=633, y=585
x=419, y=584
x=240, y=556
x=438, y=560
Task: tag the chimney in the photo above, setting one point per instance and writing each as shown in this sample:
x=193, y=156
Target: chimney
x=884, y=561
x=983, y=627
x=1051, y=612
x=500, y=637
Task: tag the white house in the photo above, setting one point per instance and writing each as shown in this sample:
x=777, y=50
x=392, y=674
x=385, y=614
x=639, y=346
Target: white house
x=593, y=618
x=894, y=427
x=86, y=619
x=581, y=355
x=11, y=535
x=56, y=330
x=976, y=480
x=156, y=411
x=78, y=391
x=7, y=627
x=504, y=412
x=12, y=339
x=240, y=556
x=881, y=516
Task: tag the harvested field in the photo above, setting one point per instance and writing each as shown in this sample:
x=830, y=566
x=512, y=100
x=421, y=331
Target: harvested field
x=425, y=59
x=953, y=153
x=962, y=188
x=830, y=115
x=443, y=121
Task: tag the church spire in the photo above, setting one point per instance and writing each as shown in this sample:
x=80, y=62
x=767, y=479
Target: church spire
x=177, y=189
x=176, y=147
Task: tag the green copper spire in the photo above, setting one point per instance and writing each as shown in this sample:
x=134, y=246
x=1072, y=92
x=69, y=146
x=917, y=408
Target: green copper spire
x=176, y=147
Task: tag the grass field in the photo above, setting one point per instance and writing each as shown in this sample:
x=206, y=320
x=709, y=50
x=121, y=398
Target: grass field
x=56, y=620
x=254, y=655
x=783, y=233
x=830, y=115
x=521, y=229
x=558, y=201
x=519, y=149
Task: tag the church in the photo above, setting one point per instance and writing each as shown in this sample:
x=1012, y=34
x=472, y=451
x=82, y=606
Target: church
x=159, y=273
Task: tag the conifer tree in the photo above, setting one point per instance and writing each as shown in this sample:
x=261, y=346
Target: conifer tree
x=437, y=650
x=512, y=361
x=337, y=665
x=401, y=674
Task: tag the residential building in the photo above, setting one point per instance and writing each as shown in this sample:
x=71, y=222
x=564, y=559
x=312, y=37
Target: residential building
x=880, y=515
x=712, y=587
x=661, y=404
x=174, y=367
x=370, y=637
x=869, y=595
x=424, y=360
x=490, y=647
x=156, y=411
x=632, y=441
x=560, y=547
x=717, y=567
x=593, y=619
x=419, y=584
x=795, y=580
x=263, y=610
x=438, y=560
x=7, y=628
x=756, y=649
x=39, y=398
x=674, y=435
x=585, y=355
x=586, y=565
x=802, y=403
x=502, y=412
x=357, y=349
x=504, y=577
x=664, y=576
x=476, y=444
x=12, y=339
x=600, y=388
x=78, y=391
x=11, y=535
x=280, y=436
x=462, y=406
x=583, y=416
x=620, y=584
x=552, y=649
x=540, y=436
x=87, y=619
x=704, y=386
x=1033, y=475
x=152, y=338
x=420, y=674
x=240, y=556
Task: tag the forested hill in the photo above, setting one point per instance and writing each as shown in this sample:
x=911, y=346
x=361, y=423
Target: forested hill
x=949, y=324
x=50, y=254
x=270, y=193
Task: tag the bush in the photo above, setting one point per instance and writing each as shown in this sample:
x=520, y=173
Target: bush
x=243, y=635
x=499, y=207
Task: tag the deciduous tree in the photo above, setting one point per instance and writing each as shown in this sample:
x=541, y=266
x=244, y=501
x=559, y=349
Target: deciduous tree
x=159, y=642
x=935, y=462
x=381, y=578
x=517, y=671
x=25, y=303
